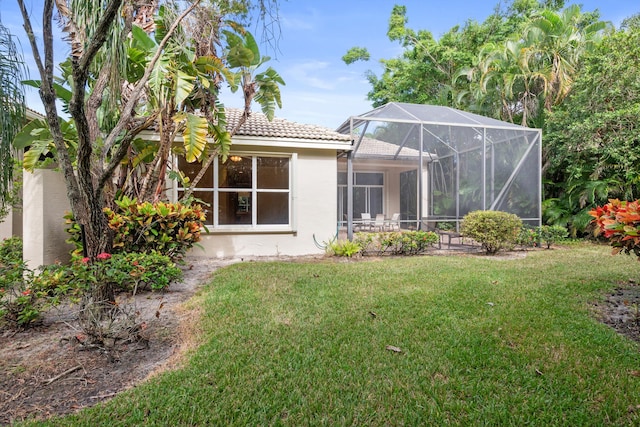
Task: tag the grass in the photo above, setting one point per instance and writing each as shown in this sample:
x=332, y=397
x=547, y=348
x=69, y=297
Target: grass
x=484, y=342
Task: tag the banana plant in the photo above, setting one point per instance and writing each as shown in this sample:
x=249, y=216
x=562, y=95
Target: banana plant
x=35, y=138
x=181, y=87
x=264, y=87
x=244, y=58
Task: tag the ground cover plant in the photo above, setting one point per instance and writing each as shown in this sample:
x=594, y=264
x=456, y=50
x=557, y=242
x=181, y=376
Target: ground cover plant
x=25, y=294
x=462, y=340
x=396, y=243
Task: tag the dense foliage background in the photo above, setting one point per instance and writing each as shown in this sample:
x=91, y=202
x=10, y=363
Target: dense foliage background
x=545, y=64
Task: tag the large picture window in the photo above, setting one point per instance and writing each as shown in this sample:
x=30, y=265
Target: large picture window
x=247, y=191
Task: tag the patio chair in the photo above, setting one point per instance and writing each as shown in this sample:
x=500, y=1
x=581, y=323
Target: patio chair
x=379, y=223
x=394, y=222
x=365, y=222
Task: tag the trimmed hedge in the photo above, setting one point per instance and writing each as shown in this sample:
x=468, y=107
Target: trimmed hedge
x=494, y=230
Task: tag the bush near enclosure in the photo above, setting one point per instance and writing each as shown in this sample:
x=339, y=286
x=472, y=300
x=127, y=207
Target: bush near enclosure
x=494, y=230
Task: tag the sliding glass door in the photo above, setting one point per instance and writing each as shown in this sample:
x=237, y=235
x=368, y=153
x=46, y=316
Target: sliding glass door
x=368, y=194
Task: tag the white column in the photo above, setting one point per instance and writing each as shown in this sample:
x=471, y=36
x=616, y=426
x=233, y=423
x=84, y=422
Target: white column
x=44, y=204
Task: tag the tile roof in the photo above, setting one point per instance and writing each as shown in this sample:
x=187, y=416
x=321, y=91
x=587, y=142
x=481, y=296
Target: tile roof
x=258, y=125
x=33, y=114
x=377, y=148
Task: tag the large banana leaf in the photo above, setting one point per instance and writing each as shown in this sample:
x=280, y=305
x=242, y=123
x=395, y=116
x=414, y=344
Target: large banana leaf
x=145, y=150
x=36, y=139
x=242, y=52
x=250, y=43
x=211, y=64
x=158, y=79
x=142, y=40
x=194, y=135
x=32, y=157
x=61, y=92
x=222, y=140
x=184, y=86
x=26, y=135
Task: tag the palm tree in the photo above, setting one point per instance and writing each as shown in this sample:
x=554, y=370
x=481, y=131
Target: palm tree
x=557, y=42
x=505, y=70
x=12, y=109
x=519, y=78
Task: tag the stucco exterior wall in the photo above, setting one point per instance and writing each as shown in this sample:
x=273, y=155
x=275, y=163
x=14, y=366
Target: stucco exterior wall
x=44, y=204
x=11, y=225
x=6, y=226
x=314, y=207
x=314, y=199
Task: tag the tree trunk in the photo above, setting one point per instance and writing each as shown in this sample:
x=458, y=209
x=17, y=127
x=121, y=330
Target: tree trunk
x=154, y=176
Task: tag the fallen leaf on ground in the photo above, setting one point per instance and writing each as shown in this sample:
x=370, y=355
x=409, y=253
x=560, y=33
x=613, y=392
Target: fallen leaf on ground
x=393, y=348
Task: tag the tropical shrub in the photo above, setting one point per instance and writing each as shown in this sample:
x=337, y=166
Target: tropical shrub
x=169, y=228
x=550, y=234
x=527, y=237
x=545, y=234
x=24, y=296
x=20, y=304
x=494, y=230
x=20, y=307
x=396, y=243
x=128, y=271
x=345, y=248
x=12, y=267
x=56, y=282
x=619, y=221
x=11, y=250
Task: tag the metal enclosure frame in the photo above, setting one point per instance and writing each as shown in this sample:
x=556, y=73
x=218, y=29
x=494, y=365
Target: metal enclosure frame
x=461, y=162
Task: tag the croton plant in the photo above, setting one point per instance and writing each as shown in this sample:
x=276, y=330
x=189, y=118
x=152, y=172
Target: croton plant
x=619, y=221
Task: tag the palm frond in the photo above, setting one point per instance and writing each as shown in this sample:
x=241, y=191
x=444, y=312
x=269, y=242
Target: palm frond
x=12, y=107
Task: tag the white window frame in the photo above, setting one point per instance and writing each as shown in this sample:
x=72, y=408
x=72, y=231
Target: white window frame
x=254, y=227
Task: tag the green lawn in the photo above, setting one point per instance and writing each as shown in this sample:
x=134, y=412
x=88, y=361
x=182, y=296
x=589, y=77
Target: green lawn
x=484, y=342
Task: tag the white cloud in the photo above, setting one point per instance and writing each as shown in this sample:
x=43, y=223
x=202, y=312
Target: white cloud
x=329, y=109
x=321, y=75
x=296, y=23
x=309, y=73
x=297, y=18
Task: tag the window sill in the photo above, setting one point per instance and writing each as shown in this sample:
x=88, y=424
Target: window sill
x=248, y=231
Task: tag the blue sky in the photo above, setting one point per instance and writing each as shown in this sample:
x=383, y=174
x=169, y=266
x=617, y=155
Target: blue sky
x=320, y=89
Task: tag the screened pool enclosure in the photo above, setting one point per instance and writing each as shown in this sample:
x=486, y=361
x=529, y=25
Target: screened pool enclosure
x=432, y=165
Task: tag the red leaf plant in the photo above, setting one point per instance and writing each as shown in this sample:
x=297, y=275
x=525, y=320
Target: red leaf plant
x=619, y=221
